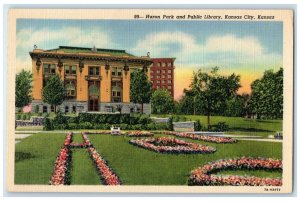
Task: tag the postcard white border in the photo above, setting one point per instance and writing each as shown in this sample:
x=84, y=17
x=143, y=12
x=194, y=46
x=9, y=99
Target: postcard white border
x=286, y=16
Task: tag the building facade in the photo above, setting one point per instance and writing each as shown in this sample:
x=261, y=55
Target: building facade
x=162, y=74
x=96, y=80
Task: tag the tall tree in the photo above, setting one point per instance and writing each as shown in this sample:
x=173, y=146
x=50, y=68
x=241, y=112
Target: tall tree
x=236, y=106
x=53, y=92
x=267, y=95
x=214, y=90
x=162, y=102
x=140, y=88
x=23, y=88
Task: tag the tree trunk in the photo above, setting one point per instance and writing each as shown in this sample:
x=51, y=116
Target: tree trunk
x=208, y=115
x=142, y=108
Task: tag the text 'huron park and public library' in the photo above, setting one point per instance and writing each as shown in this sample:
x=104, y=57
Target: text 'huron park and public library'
x=96, y=79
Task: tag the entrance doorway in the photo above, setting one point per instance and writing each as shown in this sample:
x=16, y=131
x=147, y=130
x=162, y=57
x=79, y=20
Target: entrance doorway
x=94, y=94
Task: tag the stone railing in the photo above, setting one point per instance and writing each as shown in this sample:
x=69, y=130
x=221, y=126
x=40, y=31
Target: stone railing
x=186, y=126
x=34, y=121
x=159, y=120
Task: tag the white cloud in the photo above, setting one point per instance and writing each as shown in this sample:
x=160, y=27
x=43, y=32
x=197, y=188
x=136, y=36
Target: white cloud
x=52, y=38
x=222, y=50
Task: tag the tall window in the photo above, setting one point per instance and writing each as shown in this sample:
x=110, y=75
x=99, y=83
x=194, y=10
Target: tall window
x=70, y=89
x=93, y=70
x=116, y=91
x=49, y=69
x=163, y=64
x=70, y=69
x=116, y=71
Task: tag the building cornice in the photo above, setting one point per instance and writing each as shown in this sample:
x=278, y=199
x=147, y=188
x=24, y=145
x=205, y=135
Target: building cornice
x=90, y=57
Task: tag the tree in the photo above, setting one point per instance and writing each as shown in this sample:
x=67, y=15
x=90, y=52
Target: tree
x=140, y=88
x=266, y=99
x=162, y=102
x=23, y=88
x=54, y=91
x=213, y=90
x=236, y=106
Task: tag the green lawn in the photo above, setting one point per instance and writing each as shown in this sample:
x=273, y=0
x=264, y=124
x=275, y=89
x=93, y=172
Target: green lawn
x=135, y=165
x=77, y=138
x=35, y=157
x=29, y=128
x=83, y=171
x=239, y=125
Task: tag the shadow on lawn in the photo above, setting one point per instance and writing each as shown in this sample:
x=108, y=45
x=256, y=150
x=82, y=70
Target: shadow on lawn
x=20, y=156
x=248, y=129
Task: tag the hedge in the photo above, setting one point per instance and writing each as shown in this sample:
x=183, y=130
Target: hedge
x=102, y=122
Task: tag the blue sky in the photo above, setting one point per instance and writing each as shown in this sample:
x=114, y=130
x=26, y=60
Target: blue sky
x=246, y=48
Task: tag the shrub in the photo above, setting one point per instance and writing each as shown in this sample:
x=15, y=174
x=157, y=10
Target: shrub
x=18, y=116
x=220, y=127
x=72, y=120
x=86, y=125
x=23, y=116
x=101, y=126
x=137, y=127
x=197, y=125
x=144, y=119
x=161, y=126
x=170, y=124
x=73, y=126
x=59, y=119
x=48, y=125
x=28, y=115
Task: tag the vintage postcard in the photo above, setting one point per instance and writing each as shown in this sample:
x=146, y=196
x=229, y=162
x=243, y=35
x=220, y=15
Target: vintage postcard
x=150, y=100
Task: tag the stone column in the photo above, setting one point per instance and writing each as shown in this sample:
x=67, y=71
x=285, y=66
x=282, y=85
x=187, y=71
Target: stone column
x=126, y=86
x=37, y=81
x=105, y=85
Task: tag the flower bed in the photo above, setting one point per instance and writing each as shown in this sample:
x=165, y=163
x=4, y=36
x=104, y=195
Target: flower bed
x=202, y=176
x=205, y=138
x=85, y=144
x=139, y=134
x=172, y=145
x=68, y=139
x=60, y=173
x=107, y=175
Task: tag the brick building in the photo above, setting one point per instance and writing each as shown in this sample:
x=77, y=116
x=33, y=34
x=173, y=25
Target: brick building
x=162, y=74
x=95, y=79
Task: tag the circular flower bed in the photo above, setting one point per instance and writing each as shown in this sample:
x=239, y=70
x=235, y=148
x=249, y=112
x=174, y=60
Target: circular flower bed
x=139, y=134
x=202, y=176
x=172, y=145
x=205, y=138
